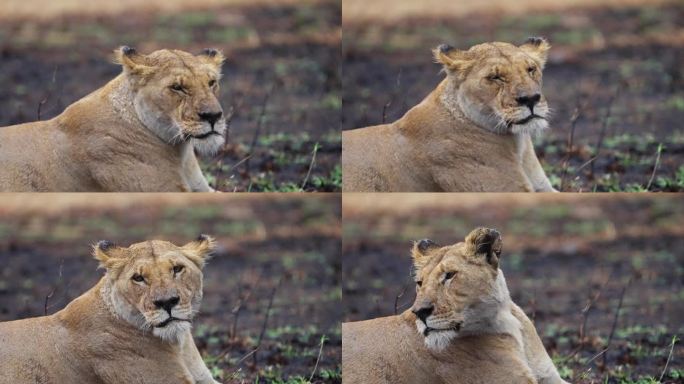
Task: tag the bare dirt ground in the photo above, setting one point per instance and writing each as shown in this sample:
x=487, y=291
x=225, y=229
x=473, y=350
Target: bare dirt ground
x=280, y=247
x=282, y=76
x=582, y=267
x=614, y=69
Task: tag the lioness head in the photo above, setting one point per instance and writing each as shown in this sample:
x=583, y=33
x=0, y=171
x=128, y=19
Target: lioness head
x=498, y=85
x=155, y=285
x=175, y=95
x=457, y=285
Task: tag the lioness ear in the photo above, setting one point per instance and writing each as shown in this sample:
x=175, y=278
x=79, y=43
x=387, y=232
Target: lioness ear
x=537, y=48
x=420, y=250
x=485, y=242
x=200, y=250
x=132, y=62
x=454, y=60
x=109, y=254
x=212, y=56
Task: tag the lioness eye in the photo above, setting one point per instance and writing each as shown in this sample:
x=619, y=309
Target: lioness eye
x=449, y=275
x=177, y=269
x=531, y=70
x=495, y=77
x=138, y=278
x=177, y=87
x=212, y=83
x=419, y=283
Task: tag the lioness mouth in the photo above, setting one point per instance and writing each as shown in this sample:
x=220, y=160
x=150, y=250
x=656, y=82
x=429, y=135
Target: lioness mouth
x=428, y=330
x=204, y=135
x=168, y=321
x=526, y=120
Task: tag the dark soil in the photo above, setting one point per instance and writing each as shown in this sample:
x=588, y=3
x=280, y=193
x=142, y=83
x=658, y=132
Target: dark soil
x=281, y=79
x=285, y=248
x=556, y=257
x=620, y=68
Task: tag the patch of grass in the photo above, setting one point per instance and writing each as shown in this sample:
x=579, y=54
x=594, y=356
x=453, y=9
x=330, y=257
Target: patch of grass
x=675, y=102
x=229, y=34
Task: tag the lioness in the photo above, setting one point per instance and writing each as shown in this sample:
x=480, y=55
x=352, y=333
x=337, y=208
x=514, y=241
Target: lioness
x=462, y=328
x=472, y=133
x=137, y=133
x=133, y=326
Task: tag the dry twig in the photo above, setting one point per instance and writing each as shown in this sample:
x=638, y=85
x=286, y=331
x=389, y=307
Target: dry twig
x=318, y=359
x=615, y=320
x=263, y=326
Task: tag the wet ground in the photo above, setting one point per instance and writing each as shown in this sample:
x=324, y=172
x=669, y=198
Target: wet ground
x=620, y=257
x=281, y=80
x=284, y=250
x=619, y=70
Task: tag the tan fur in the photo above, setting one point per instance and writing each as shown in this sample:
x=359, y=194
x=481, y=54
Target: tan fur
x=469, y=134
x=133, y=134
x=473, y=334
x=111, y=333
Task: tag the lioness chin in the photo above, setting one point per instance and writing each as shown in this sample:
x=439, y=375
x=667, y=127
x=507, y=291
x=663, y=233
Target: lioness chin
x=472, y=133
x=133, y=326
x=139, y=132
x=463, y=327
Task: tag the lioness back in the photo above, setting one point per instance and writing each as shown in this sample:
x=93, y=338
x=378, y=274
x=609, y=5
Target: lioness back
x=388, y=350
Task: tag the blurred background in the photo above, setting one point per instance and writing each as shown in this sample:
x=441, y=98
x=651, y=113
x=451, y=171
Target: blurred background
x=273, y=285
x=281, y=76
x=613, y=79
x=602, y=277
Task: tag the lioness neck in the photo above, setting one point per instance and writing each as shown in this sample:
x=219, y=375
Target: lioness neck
x=494, y=315
x=88, y=311
x=121, y=97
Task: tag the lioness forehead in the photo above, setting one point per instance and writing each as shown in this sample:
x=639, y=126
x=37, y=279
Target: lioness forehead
x=497, y=51
x=446, y=256
x=169, y=59
x=155, y=249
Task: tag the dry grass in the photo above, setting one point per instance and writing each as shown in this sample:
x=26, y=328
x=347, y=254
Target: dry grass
x=354, y=203
x=26, y=9
x=58, y=203
x=394, y=10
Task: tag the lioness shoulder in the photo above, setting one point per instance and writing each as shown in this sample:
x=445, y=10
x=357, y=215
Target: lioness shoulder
x=132, y=326
x=139, y=132
x=472, y=133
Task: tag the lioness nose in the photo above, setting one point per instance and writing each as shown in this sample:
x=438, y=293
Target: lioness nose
x=529, y=100
x=167, y=304
x=210, y=117
x=423, y=312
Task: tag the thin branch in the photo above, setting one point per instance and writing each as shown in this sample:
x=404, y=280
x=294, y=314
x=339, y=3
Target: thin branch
x=47, y=299
x=394, y=94
x=49, y=295
x=587, y=308
x=311, y=165
x=318, y=359
x=655, y=166
x=235, y=373
x=615, y=320
x=604, y=126
x=571, y=138
x=49, y=93
x=669, y=357
x=242, y=298
x=586, y=373
x=263, y=326
x=260, y=122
